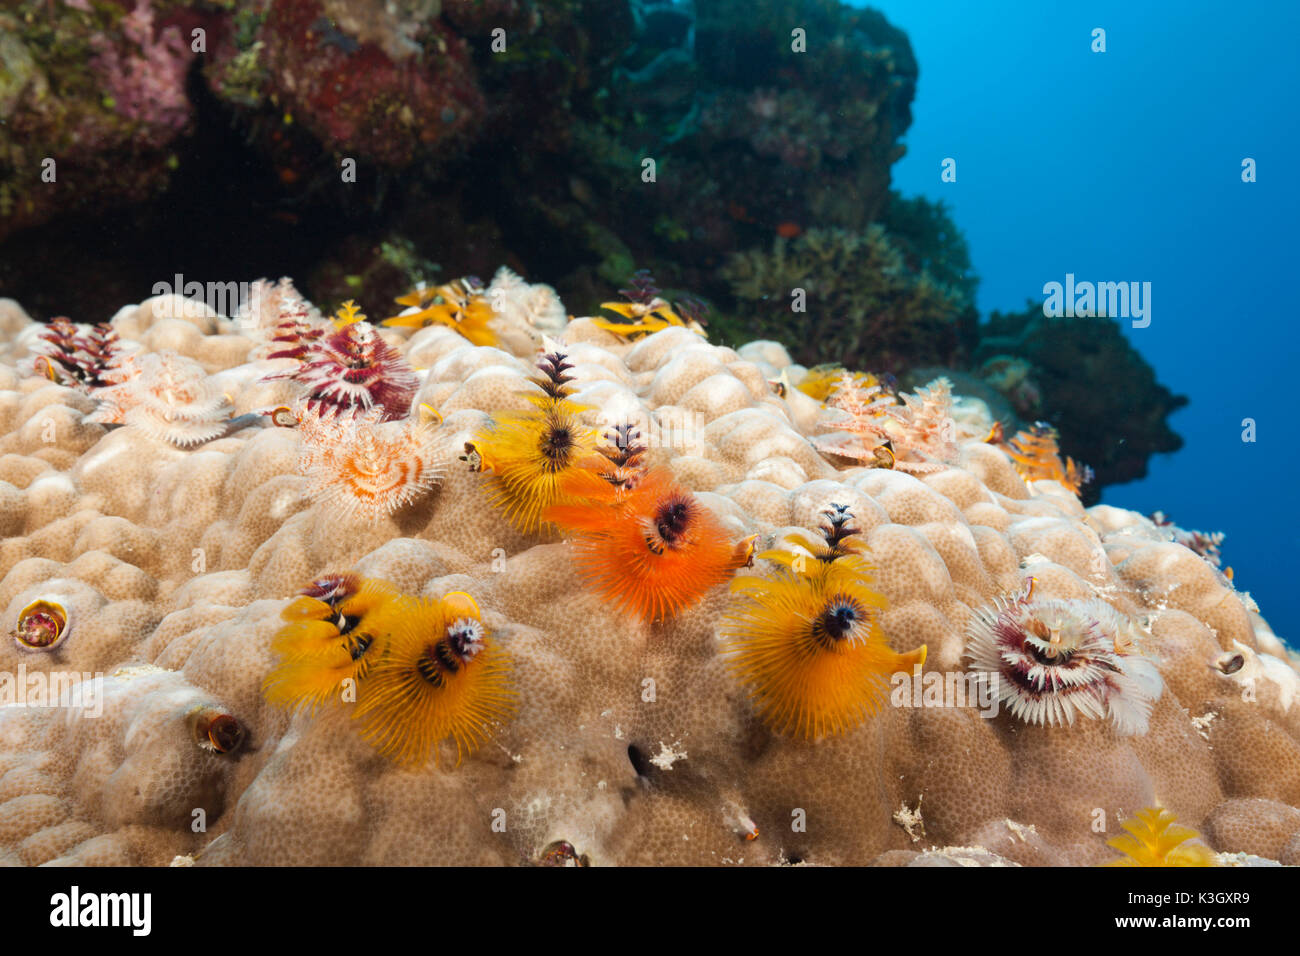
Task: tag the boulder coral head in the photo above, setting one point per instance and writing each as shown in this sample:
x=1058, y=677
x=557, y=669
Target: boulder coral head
x=344, y=692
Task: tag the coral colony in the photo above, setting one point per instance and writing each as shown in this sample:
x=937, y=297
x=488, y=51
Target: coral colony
x=431, y=569
x=762, y=522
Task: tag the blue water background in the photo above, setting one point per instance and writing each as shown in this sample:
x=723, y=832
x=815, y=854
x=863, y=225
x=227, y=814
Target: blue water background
x=1126, y=165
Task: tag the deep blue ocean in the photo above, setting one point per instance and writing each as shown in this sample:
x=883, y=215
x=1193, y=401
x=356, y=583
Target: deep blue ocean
x=1127, y=166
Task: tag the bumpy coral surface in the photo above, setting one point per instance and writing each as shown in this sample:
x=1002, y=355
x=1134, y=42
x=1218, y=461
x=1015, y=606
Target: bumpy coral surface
x=628, y=740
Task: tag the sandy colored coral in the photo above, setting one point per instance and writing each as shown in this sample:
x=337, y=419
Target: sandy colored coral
x=632, y=740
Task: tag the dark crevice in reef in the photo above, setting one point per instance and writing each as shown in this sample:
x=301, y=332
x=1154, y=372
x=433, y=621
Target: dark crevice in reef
x=222, y=216
x=639, y=762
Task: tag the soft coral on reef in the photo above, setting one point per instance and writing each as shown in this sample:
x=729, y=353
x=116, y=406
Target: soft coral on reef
x=860, y=303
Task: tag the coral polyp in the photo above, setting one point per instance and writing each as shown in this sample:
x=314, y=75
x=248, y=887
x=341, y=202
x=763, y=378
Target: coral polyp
x=806, y=641
x=441, y=678
x=42, y=625
x=1054, y=660
x=1155, y=839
